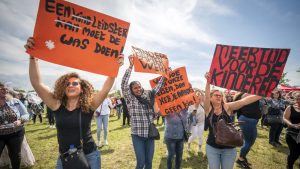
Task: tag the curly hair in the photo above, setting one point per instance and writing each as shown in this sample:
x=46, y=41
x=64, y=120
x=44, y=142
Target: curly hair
x=85, y=97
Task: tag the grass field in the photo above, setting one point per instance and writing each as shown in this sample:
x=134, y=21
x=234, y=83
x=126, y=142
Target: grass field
x=119, y=153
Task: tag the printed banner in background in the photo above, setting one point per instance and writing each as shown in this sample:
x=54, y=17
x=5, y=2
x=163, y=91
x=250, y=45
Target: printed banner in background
x=248, y=69
x=177, y=93
x=77, y=37
x=150, y=62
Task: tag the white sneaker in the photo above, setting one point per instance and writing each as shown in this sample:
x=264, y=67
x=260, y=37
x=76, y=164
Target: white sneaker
x=99, y=144
x=105, y=142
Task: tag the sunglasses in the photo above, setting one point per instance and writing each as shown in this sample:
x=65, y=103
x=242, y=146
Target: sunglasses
x=74, y=84
x=217, y=95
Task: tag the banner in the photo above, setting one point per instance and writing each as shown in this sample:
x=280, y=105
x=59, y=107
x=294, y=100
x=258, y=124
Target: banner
x=248, y=69
x=77, y=37
x=150, y=62
x=177, y=93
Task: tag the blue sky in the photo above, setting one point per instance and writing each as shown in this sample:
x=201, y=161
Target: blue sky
x=187, y=31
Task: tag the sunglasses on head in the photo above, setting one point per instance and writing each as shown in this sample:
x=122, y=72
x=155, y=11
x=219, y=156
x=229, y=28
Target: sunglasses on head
x=74, y=84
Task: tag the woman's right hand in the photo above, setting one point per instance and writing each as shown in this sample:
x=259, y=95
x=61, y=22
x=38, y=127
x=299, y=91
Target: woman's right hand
x=30, y=43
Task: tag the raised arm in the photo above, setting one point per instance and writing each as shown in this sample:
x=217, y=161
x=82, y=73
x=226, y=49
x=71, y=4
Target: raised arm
x=124, y=85
x=101, y=95
x=207, y=94
x=36, y=81
x=243, y=102
x=159, y=85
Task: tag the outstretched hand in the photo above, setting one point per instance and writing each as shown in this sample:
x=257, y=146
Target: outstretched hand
x=30, y=43
x=207, y=76
x=130, y=57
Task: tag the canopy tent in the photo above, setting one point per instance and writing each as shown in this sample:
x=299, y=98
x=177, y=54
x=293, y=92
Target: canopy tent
x=287, y=88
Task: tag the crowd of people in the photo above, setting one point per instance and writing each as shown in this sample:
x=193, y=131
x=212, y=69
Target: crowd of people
x=73, y=103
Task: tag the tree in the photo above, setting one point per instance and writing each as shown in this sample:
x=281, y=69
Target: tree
x=283, y=80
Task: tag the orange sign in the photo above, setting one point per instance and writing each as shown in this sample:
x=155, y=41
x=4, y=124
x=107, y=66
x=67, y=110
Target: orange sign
x=77, y=37
x=150, y=62
x=177, y=93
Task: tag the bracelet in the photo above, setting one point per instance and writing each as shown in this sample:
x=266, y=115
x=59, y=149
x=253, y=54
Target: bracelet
x=33, y=58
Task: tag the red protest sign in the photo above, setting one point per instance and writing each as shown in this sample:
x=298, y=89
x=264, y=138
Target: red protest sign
x=177, y=93
x=248, y=69
x=150, y=62
x=77, y=37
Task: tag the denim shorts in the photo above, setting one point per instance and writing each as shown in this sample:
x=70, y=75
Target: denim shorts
x=220, y=158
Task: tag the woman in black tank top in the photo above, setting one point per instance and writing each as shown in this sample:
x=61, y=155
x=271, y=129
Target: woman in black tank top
x=291, y=117
x=214, y=106
x=71, y=97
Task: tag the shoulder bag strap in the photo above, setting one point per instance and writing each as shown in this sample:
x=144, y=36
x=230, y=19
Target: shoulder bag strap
x=179, y=115
x=80, y=132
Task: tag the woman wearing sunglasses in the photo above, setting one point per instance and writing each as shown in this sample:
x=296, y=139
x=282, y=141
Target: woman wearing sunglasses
x=220, y=156
x=71, y=97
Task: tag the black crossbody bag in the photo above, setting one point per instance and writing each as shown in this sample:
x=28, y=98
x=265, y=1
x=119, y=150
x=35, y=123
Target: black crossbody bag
x=76, y=159
x=153, y=131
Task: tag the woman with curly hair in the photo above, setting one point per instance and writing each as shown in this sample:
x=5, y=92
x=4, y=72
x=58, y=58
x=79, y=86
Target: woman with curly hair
x=72, y=98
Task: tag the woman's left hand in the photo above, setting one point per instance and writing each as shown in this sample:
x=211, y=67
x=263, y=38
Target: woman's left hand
x=18, y=123
x=121, y=59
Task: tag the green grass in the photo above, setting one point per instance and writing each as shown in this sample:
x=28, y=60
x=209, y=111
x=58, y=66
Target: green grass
x=119, y=154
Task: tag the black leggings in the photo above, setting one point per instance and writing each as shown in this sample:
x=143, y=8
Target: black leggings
x=51, y=118
x=294, y=151
x=126, y=116
x=40, y=117
x=13, y=143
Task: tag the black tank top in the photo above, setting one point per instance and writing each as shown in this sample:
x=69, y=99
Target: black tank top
x=211, y=138
x=67, y=124
x=251, y=110
x=295, y=119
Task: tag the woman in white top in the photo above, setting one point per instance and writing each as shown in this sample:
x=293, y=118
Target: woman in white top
x=196, y=120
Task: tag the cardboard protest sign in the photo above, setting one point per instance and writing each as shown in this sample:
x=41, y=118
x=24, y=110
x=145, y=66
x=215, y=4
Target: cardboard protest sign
x=248, y=69
x=77, y=37
x=177, y=93
x=150, y=62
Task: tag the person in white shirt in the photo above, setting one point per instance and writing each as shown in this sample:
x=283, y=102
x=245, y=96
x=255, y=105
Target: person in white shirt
x=102, y=117
x=196, y=119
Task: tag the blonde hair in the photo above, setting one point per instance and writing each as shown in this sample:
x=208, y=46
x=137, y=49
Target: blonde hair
x=86, y=94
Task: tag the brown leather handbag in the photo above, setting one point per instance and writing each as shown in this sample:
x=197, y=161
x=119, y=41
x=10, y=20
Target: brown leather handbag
x=227, y=134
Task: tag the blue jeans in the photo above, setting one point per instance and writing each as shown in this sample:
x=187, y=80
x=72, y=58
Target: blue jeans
x=223, y=158
x=174, y=146
x=102, y=120
x=119, y=111
x=93, y=159
x=144, y=150
x=249, y=132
